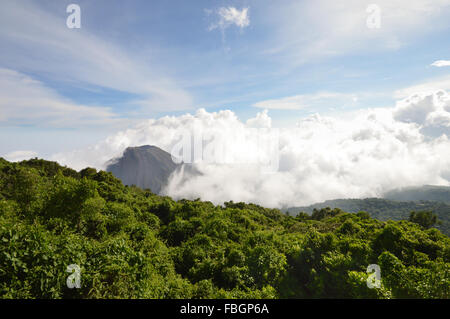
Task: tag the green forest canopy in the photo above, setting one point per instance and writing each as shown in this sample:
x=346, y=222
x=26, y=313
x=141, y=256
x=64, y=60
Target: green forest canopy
x=385, y=209
x=131, y=243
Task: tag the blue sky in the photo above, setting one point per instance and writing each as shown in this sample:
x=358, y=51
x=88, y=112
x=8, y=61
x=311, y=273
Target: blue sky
x=64, y=88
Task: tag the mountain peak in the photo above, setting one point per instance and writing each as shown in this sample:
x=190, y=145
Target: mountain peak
x=145, y=166
x=144, y=147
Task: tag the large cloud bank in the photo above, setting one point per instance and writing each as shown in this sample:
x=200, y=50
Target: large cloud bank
x=358, y=155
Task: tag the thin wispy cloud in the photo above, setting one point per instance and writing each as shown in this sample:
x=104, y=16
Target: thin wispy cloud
x=25, y=101
x=297, y=34
x=38, y=41
x=441, y=63
x=317, y=100
x=427, y=86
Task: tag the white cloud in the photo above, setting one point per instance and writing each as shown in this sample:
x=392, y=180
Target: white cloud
x=320, y=99
x=424, y=109
x=25, y=101
x=427, y=87
x=296, y=32
x=441, y=63
x=162, y=132
x=18, y=156
x=231, y=16
x=323, y=158
x=262, y=120
x=37, y=41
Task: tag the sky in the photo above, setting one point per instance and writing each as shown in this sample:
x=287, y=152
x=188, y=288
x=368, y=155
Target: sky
x=137, y=69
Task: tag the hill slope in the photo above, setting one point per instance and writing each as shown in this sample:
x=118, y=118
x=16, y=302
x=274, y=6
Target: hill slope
x=426, y=192
x=148, y=167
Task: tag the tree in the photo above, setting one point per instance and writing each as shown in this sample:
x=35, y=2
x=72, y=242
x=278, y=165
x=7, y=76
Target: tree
x=426, y=219
x=302, y=216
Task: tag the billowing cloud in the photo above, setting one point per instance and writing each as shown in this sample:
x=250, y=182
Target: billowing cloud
x=322, y=158
x=262, y=120
x=441, y=63
x=231, y=16
x=425, y=109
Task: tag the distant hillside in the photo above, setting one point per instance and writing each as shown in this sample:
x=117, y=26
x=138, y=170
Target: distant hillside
x=426, y=192
x=384, y=209
x=147, y=167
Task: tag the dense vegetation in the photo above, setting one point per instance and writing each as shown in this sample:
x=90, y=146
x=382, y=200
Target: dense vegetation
x=426, y=192
x=384, y=209
x=131, y=243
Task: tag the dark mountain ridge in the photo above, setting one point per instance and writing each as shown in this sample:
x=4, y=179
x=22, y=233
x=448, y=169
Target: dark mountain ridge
x=147, y=167
x=418, y=193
